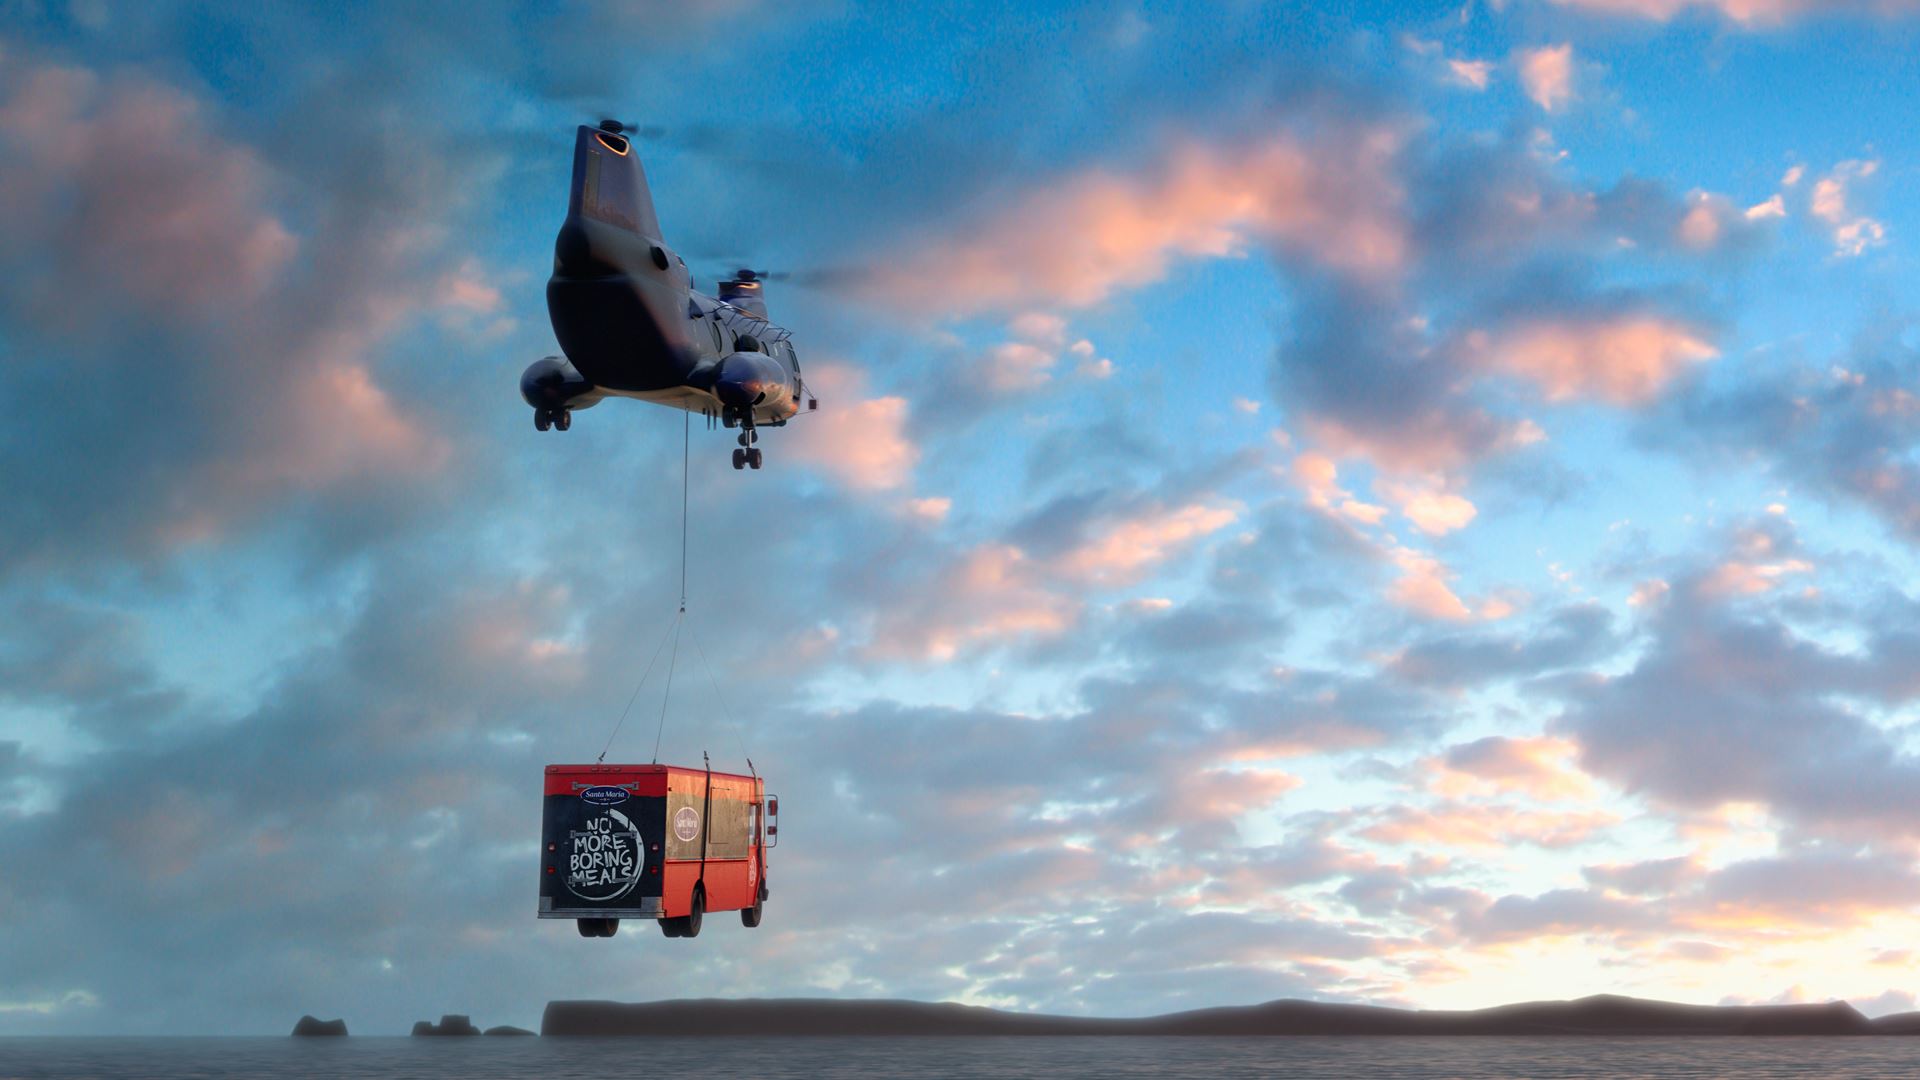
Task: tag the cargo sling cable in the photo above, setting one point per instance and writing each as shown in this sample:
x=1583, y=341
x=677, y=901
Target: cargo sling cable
x=672, y=633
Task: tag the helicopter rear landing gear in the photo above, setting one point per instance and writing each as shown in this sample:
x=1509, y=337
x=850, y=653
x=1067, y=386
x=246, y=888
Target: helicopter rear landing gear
x=542, y=419
x=558, y=419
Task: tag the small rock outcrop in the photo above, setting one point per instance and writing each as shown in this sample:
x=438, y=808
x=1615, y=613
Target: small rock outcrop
x=450, y=1024
x=313, y=1025
x=506, y=1029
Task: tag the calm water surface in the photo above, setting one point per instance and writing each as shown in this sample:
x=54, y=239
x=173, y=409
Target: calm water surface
x=819, y=1059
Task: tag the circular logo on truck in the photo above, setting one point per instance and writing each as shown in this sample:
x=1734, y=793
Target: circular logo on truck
x=604, y=857
x=686, y=823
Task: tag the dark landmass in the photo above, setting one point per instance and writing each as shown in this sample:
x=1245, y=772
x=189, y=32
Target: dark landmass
x=506, y=1029
x=1604, y=1014
x=311, y=1025
x=450, y=1024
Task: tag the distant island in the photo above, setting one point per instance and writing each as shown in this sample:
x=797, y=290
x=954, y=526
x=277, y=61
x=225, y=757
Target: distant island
x=1603, y=1014
x=313, y=1025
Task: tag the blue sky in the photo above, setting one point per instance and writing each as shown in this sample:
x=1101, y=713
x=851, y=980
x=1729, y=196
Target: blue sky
x=1411, y=504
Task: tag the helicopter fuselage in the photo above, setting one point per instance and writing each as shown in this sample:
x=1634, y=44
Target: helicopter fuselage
x=630, y=323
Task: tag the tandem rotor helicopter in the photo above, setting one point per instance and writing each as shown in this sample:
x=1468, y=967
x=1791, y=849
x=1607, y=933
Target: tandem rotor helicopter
x=631, y=324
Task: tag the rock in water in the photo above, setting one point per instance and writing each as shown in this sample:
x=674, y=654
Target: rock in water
x=506, y=1029
x=450, y=1024
x=311, y=1025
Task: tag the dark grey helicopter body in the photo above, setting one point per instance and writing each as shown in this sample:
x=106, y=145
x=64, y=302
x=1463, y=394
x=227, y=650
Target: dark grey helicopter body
x=631, y=324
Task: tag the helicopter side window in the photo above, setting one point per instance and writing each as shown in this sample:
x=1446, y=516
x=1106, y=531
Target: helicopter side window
x=714, y=325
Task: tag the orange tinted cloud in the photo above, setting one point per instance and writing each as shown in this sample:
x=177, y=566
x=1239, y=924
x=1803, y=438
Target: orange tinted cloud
x=991, y=594
x=1459, y=825
x=1541, y=768
x=1334, y=199
x=1622, y=360
x=1125, y=549
x=1746, y=12
x=1547, y=75
x=858, y=440
x=176, y=215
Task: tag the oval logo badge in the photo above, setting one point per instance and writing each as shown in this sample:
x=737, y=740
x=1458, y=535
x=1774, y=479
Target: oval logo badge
x=605, y=796
x=686, y=823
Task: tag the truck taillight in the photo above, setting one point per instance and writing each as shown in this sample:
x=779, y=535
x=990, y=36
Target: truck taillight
x=549, y=869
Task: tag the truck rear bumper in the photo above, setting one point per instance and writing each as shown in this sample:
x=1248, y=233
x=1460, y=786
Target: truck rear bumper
x=649, y=908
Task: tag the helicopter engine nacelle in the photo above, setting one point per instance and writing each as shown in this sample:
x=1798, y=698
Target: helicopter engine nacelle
x=746, y=380
x=551, y=383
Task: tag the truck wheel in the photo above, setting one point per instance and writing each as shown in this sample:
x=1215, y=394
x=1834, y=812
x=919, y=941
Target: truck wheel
x=587, y=927
x=609, y=927
x=671, y=927
x=694, y=913
x=750, y=916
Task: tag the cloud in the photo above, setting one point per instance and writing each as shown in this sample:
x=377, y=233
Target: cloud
x=1330, y=198
x=1623, y=359
x=1546, y=73
x=1422, y=586
x=155, y=206
x=1728, y=704
x=1845, y=433
x=860, y=441
x=1568, y=637
x=1470, y=73
x=1540, y=768
x=1747, y=13
x=990, y=594
x=242, y=374
x=1123, y=549
x=1833, y=194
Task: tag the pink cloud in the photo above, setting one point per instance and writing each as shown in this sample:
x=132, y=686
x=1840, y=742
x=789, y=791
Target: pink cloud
x=1547, y=75
x=1746, y=12
x=1833, y=196
x=991, y=594
x=860, y=441
x=1482, y=826
x=175, y=215
x=1473, y=73
x=1422, y=587
x=1622, y=360
x=1542, y=768
x=1123, y=550
x=1333, y=199
x=1426, y=503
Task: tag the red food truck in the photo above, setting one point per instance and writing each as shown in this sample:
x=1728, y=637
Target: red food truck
x=653, y=842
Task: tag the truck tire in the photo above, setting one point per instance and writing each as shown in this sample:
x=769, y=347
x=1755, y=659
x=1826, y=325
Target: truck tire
x=670, y=927
x=750, y=916
x=694, y=913
x=609, y=927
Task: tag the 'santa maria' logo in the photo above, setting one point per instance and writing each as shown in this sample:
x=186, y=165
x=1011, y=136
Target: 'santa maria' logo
x=605, y=796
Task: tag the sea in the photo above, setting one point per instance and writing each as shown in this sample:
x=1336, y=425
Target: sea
x=751, y=1057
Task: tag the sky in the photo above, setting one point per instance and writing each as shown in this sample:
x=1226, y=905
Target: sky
x=1409, y=504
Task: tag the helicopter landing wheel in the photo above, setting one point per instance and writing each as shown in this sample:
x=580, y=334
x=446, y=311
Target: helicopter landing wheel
x=739, y=459
x=563, y=419
x=542, y=420
x=753, y=458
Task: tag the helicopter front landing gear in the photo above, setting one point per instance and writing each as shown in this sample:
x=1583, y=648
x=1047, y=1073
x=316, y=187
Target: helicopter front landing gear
x=558, y=419
x=746, y=455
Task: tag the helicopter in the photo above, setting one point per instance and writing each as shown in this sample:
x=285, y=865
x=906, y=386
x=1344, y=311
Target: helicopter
x=630, y=323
